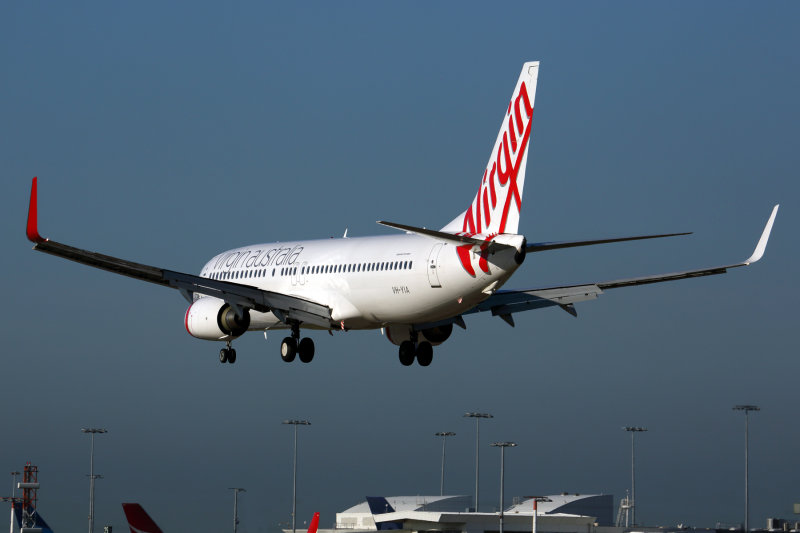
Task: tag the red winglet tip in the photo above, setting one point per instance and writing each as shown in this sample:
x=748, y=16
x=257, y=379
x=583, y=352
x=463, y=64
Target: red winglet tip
x=32, y=230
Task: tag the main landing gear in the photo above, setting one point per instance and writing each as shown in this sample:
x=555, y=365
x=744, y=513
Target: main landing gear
x=227, y=354
x=423, y=351
x=294, y=345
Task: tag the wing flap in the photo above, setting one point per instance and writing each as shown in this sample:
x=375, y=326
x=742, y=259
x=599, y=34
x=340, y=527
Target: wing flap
x=447, y=237
x=508, y=302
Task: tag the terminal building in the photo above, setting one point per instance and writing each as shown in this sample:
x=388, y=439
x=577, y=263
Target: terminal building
x=563, y=513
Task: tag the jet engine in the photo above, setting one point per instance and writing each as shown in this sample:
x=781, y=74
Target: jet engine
x=214, y=320
x=436, y=335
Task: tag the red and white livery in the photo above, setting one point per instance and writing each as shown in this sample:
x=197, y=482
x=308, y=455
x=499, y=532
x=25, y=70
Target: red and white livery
x=414, y=285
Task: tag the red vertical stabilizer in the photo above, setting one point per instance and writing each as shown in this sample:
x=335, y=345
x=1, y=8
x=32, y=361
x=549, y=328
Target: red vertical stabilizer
x=138, y=519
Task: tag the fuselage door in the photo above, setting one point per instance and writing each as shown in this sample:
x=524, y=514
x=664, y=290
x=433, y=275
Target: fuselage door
x=433, y=265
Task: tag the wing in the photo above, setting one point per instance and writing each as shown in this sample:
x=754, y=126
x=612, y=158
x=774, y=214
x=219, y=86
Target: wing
x=505, y=303
x=286, y=308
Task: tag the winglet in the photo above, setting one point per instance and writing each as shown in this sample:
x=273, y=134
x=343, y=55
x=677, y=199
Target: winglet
x=32, y=229
x=762, y=242
x=314, y=524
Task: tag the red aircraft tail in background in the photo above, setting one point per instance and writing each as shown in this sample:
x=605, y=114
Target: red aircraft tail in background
x=138, y=519
x=312, y=528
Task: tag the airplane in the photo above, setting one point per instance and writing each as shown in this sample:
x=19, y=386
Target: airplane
x=140, y=522
x=414, y=285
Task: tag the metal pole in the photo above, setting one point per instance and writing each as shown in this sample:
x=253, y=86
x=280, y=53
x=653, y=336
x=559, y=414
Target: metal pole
x=502, y=446
x=92, y=476
x=477, y=417
x=444, y=435
x=633, y=430
x=746, y=471
x=502, y=472
x=477, y=460
x=295, y=423
x=14, y=483
x=441, y=483
x=294, y=482
x=236, y=491
x=633, y=477
x=536, y=500
x=91, y=487
x=13, y=495
x=746, y=409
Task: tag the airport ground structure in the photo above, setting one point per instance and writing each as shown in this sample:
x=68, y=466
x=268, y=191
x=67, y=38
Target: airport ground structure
x=565, y=513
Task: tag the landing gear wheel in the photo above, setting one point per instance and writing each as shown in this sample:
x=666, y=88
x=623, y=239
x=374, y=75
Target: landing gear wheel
x=407, y=353
x=288, y=349
x=424, y=353
x=306, y=350
x=231, y=356
x=223, y=355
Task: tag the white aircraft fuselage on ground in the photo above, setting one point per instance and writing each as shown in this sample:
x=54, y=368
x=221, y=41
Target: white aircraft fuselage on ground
x=414, y=285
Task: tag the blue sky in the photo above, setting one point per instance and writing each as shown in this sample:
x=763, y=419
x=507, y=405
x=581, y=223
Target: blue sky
x=165, y=134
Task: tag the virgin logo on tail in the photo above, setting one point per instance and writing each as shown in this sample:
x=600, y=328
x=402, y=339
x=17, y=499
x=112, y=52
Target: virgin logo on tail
x=497, y=205
x=501, y=177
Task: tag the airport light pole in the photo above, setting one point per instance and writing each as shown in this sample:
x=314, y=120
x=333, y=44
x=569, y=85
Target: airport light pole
x=502, y=446
x=477, y=417
x=236, y=491
x=633, y=430
x=92, y=476
x=295, y=423
x=536, y=500
x=444, y=435
x=746, y=409
x=14, y=483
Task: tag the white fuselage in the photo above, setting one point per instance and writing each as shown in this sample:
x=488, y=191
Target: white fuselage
x=368, y=282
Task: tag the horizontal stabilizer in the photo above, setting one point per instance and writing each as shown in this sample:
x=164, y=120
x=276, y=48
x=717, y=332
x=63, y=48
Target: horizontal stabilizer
x=543, y=246
x=441, y=235
x=488, y=242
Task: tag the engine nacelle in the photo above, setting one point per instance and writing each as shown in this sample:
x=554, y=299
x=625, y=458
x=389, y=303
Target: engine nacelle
x=436, y=335
x=214, y=320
